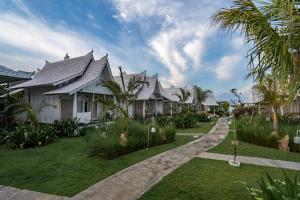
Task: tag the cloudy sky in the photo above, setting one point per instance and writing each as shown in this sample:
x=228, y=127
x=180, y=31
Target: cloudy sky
x=173, y=38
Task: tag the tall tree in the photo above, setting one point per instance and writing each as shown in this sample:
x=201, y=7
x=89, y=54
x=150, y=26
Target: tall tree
x=272, y=30
x=201, y=95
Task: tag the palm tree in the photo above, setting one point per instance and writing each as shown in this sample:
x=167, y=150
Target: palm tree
x=272, y=29
x=123, y=93
x=201, y=95
x=184, y=95
x=15, y=104
x=272, y=93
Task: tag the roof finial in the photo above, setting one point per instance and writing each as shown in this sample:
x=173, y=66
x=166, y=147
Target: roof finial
x=47, y=62
x=91, y=52
x=67, y=56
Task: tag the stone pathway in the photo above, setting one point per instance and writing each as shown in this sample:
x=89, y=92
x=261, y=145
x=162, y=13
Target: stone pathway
x=133, y=182
x=11, y=193
x=253, y=160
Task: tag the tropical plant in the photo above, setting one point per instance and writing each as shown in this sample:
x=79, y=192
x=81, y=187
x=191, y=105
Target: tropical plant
x=124, y=136
x=66, y=128
x=124, y=93
x=272, y=29
x=183, y=95
x=273, y=93
x=275, y=189
x=25, y=136
x=201, y=95
x=15, y=104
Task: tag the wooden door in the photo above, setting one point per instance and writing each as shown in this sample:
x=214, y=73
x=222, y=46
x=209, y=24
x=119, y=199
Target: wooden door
x=66, y=109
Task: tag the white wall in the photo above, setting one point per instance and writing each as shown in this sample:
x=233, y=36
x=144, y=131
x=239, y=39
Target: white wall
x=47, y=107
x=159, y=107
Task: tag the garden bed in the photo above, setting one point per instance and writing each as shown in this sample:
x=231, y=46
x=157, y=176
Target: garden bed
x=202, y=179
x=246, y=149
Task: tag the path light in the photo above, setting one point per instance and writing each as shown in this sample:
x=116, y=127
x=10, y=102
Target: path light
x=153, y=130
x=297, y=137
x=235, y=143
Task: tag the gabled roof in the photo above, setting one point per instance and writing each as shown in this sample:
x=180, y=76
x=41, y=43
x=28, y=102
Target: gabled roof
x=148, y=88
x=127, y=77
x=210, y=100
x=92, y=73
x=59, y=72
x=9, y=75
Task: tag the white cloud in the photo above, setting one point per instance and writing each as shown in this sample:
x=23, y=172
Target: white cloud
x=90, y=16
x=225, y=69
x=179, y=44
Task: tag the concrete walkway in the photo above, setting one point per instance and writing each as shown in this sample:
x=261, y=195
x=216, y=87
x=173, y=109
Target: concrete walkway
x=253, y=160
x=11, y=193
x=133, y=182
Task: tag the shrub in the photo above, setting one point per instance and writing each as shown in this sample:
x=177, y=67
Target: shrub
x=25, y=136
x=163, y=120
x=66, y=128
x=275, y=189
x=169, y=134
x=111, y=145
x=203, y=117
x=185, y=120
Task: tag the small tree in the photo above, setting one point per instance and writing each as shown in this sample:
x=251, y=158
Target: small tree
x=201, y=95
x=273, y=93
x=124, y=93
x=184, y=95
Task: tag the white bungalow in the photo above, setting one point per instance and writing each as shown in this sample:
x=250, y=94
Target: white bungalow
x=210, y=104
x=176, y=104
x=66, y=89
x=149, y=97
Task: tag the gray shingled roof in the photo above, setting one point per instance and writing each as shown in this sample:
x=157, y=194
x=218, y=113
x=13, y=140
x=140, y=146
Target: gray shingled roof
x=59, y=72
x=210, y=100
x=127, y=77
x=147, y=89
x=91, y=74
x=9, y=75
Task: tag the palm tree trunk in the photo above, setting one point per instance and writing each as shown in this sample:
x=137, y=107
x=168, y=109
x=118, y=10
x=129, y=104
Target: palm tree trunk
x=275, y=120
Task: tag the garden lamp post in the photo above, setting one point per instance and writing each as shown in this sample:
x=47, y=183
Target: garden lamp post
x=152, y=130
x=235, y=143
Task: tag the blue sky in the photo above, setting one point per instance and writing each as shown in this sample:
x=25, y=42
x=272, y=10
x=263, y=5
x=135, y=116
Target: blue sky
x=172, y=38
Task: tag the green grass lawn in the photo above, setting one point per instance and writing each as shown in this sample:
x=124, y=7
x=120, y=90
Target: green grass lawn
x=246, y=149
x=201, y=127
x=64, y=167
x=203, y=179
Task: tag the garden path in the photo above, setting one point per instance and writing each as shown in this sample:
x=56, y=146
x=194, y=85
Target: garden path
x=253, y=160
x=133, y=182
x=11, y=193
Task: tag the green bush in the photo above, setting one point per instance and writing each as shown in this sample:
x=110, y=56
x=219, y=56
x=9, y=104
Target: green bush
x=257, y=132
x=275, y=189
x=185, y=120
x=169, y=134
x=66, y=128
x=163, y=120
x=109, y=145
x=24, y=136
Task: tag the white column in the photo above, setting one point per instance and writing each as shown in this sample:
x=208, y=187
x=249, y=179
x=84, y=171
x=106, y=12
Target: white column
x=144, y=109
x=75, y=105
x=92, y=107
x=155, y=106
x=171, y=108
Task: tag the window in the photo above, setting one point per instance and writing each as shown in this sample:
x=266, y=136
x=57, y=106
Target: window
x=83, y=103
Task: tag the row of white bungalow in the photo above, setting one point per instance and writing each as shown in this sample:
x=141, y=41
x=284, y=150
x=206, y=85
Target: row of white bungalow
x=68, y=89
